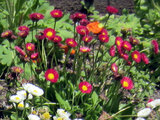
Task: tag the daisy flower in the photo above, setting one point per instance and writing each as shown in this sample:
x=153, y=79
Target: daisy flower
x=33, y=117
x=85, y=87
x=51, y=75
x=136, y=56
x=126, y=83
x=49, y=33
x=144, y=112
x=16, y=98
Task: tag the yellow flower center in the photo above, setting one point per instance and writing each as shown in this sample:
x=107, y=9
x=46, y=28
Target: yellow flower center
x=6, y=33
x=51, y=76
x=17, y=70
x=49, y=34
x=55, y=13
x=86, y=39
x=118, y=43
x=20, y=105
x=17, y=98
x=35, y=91
x=84, y=88
x=29, y=47
x=125, y=84
x=70, y=42
x=135, y=56
x=59, y=118
x=126, y=46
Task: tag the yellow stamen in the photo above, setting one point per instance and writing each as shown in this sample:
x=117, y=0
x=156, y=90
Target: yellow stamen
x=51, y=76
x=125, y=84
x=84, y=88
x=49, y=34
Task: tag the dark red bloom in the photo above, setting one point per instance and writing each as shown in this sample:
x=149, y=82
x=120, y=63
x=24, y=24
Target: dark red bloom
x=57, y=39
x=78, y=16
x=23, y=28
x=84, y=22
x=85, y=87
x=51, y=75
x=111, y=10
x=144, y=58
x=19, y=50
x=114, y=68
x=56, y=13
x=23, y=34
x=40, y=36
x=133, y=40
x=35, y=17
x=136, y=56
x=87, y=38
x=112, y=51
x=82, y=30
x=49, y=33
x=7, y=34
x=124, y=56
x=155, y=46
x=103, y=38
x=126, y=45
x=127, y=83
x=104, y=32
x=71, y=42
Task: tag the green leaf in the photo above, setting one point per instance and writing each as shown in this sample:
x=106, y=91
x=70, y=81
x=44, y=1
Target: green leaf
x=27, y=71
x=62, y=102
x=94, y=98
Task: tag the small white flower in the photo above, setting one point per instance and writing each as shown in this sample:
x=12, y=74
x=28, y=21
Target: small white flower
x=30, y=96
x=63, y=113
x=34, y=90
x=153, y=104
x=144, y=112
x=21, y=105
x=22, y=93
x=60, y=118
x=33, y=117
x=16, y=98
x=139, y=118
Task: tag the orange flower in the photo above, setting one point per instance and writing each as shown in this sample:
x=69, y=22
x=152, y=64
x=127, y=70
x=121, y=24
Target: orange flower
x=95, y=27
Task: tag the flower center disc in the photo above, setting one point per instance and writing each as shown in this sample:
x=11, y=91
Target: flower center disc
x=84, y=87
x=125, y=84
x=51, y=76
x=49, y=34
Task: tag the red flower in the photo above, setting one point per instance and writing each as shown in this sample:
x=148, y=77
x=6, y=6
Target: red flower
x=84, y=22
x=156, y=46
x=103, y=38
x=71, y=42
x=7, y=34
x=51, y=75
x=87, y=38
x=23, y=34
x=49, y=33
x=82, y=30
x=112, y=51
x=56, y=13
x=34, y=56
x=126, y=45
x=85, y=87
x=19, y=50
x=78, y=16
x=124, y=56
x=144, y=58
x=136, y=56
x=111, y=9
x=23, y=28
x=104, y=32
x=85, y=49
x=118, y=42
x=40, y=36
x=35, y=17
x=127, y=83
x=30, y=47
x=16, y=69
x=114, y=68
x=133, y=40
x=57, y=39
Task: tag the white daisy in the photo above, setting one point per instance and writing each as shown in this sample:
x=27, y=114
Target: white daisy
x=139, y=118
x=63, y=113
x=22, y=93
x=21, y=105
x=153, y=104
x=144, y=112
x=33, y=117
x=16, y=98
x=60, y=118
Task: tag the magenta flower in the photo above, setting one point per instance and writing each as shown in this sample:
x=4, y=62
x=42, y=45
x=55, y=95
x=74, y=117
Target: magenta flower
x=111, y=10
x=136, y=56
x=155, y=46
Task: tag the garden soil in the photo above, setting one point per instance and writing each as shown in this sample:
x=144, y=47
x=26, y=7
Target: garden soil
x=73, y=6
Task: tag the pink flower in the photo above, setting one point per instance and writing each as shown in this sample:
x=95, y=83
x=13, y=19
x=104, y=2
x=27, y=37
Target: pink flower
x=85, y=87
x=78, y=16
x=118, y=42
x=49, y=33
x=136, y=56
x=85, y=49
x=126, y=45
x=23, y=34
x=23, y=28
x=7, y=34
x=51, y=75
x=84, y=22
x=103, y=38
x=34, y=56
x=35, y=17
x=56, y=13
x=87, y=38
x=82, y=30
x=124, y=56
x=104, y=32
x=114, y=68
x=155, y=46
x=127, y=83
x=112, y=51
x=133, y=40
x=30, y=47
x=111, y=9
x=71, y=42
x=57, y=39
x=144, y=58
x=19, y=50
